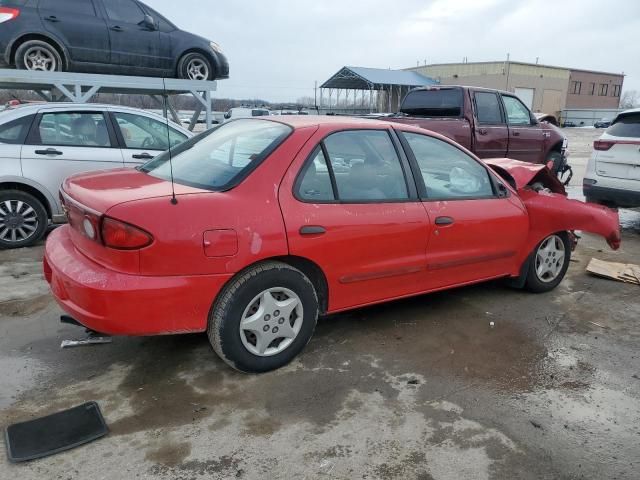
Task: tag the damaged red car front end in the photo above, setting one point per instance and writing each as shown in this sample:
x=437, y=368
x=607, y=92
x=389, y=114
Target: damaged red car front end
x=549, y=207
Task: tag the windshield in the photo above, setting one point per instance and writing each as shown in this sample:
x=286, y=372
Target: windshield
x=219, y=159
x=434, y=103
x=627, y=125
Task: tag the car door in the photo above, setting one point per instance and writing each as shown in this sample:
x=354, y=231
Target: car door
x=354, y=213
x=133, y=44
x=143, y=137
x=77, y=24
x=526, y=136
x=491, y=134
x=477, y=227
x=63, y=143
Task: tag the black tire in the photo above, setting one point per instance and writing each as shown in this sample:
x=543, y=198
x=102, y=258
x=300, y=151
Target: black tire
x=534, y=283
x=557, y=161
x=17, y=219
x=239, y=296
x=22, y=62
x=187, y=71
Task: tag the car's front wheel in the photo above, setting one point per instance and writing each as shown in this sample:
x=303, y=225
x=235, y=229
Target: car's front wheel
x=264, y=317
x=195, y=66
x=38, y=55
x=23, y=219
x=549, y=263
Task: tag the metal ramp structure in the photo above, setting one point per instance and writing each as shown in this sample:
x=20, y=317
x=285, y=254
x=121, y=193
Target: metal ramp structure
x=81, y=87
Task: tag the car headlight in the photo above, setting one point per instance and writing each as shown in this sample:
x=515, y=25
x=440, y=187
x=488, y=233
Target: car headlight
x=215, y=47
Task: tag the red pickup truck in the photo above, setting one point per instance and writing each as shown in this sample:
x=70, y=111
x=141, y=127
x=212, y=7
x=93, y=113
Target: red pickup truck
x=490, y=123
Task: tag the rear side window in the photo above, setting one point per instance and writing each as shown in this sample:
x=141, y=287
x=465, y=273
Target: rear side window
x=85, y=129
x=80, y=7
x=220, y=159
x=126, y=11
x=315, y=180
x=488, y=108
x=447, y=102
x=626, y=126
x=15, y=132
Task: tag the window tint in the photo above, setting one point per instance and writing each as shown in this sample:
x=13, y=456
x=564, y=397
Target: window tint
x=74, y=129
x=222, y=156
x=366, y=166
x=445, y=102
x=517, y=113
x=126, y=11
x=448, y=173
x=144, y=133
x=488, y=108
x=315, y=181
x=626, y=126
x=81, y=7
x=15, y=132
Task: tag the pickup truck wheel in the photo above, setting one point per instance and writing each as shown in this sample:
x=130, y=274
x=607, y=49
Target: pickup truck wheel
x=549, y=263
x=263, y=318
x=557, y=160
x=23, y=219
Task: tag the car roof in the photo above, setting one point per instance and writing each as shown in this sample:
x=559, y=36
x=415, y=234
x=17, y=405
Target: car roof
x=301, y=121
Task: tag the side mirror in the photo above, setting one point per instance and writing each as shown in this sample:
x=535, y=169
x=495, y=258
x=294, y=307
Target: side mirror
x=149, y=22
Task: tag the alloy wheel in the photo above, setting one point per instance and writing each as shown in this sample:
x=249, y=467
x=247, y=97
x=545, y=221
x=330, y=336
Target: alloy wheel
x=550, y=259
x=197, y=69
x=18, y=221
x=40, y=59
x=271, y=321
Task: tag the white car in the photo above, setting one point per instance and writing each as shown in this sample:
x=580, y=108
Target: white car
x=613, y=172
x=42, y=144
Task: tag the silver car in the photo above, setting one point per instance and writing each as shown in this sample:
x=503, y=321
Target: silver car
x=42, y=144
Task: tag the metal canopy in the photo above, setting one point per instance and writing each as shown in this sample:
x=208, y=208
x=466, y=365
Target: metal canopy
x=361, y=78
x=81, y=87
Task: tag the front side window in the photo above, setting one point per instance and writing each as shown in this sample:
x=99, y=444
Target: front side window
x=220, y=158
x=144, y=133
x=315, y=180
x=15, y=131
x=74, y=129
x=80, y=7
x=126, y=11
x=488, y=108
x=447, y=172
x=366, y=166
x=517, y=113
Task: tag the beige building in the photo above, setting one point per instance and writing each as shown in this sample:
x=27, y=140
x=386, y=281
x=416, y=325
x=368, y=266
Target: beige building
x=543, y=88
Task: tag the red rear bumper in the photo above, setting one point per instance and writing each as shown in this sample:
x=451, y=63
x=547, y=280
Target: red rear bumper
x=120, y=304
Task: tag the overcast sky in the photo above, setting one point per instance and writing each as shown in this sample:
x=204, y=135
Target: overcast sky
x=278, y=48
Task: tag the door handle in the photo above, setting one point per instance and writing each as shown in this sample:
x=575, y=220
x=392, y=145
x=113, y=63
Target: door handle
x=442, y=221
x=516, y=134
x=117, y=28
x=52, y=18
x=483, y=131
x=48, y=151
x=312, y=230
x=142, y=156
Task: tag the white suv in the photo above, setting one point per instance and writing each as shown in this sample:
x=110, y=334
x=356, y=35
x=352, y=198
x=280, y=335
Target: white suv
x=42, y=144
x=613, y=172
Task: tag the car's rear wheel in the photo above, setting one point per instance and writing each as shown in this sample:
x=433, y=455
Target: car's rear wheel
x=23, y=219
x=549, y=263
x=264, y=317
x=195, y=66
x=38, y=55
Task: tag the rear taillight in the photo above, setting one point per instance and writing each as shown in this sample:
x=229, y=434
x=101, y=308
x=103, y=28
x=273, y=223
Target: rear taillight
x=81, y=219
x=603, y=145
x=7, y=14
x=123, y=236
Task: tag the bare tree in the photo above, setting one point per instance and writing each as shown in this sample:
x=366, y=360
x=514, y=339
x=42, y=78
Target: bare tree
x=630, y=99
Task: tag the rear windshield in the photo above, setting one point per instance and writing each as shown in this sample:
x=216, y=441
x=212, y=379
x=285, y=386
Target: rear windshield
x=446, y=102
x=220, y=158
x=626, y=126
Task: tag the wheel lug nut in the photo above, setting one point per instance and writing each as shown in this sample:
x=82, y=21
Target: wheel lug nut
x=265, y=328
x=275, y=330
x=281, y=321
x=276, y=313
x=267, y=318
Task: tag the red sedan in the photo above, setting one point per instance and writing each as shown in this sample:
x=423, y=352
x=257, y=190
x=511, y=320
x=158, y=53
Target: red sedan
x=274, y=222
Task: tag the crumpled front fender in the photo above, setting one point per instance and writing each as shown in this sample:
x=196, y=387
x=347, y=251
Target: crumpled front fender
x=554, y=212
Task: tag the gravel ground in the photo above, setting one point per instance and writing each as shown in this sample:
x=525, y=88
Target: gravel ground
x=422, y=388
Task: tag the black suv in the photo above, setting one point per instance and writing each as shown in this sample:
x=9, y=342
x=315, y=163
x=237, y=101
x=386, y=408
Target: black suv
x=124, y=37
